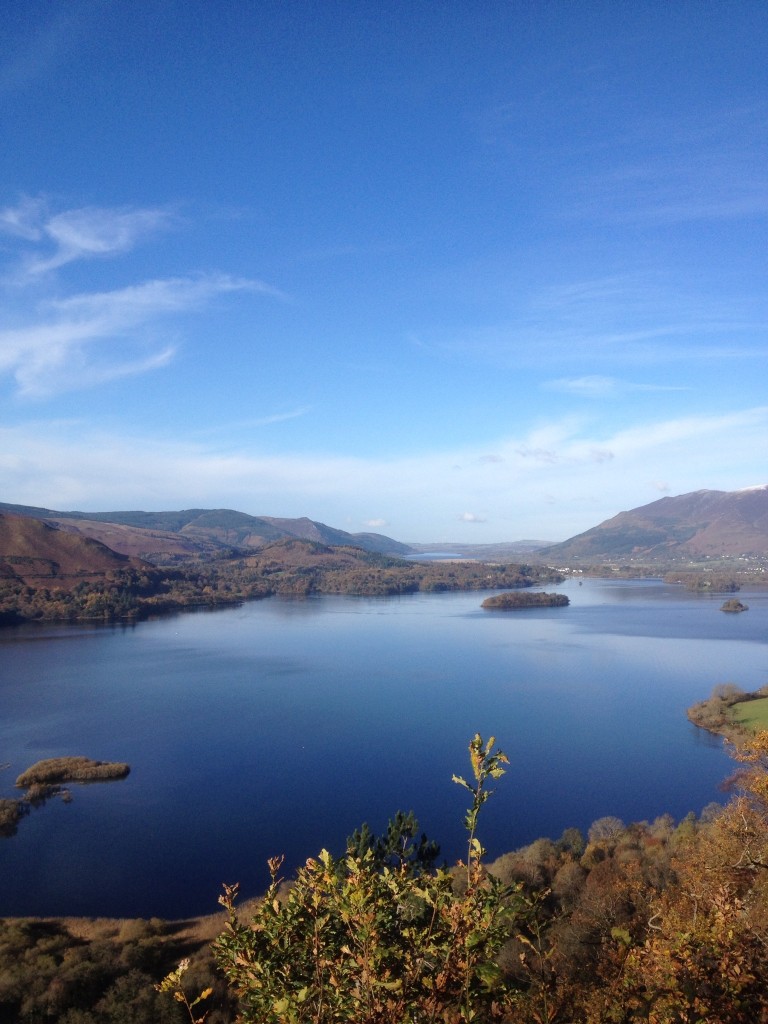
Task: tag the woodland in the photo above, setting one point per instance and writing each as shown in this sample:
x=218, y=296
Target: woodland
x=295, y=568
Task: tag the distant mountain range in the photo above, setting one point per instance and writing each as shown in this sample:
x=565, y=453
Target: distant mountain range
x=702, y=525
x=163, y=536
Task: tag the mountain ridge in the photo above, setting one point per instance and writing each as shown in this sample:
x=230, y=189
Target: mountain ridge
x=189, y=533
x=700, y=525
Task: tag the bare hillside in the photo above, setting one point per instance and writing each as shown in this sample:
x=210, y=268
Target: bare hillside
x=40, y=554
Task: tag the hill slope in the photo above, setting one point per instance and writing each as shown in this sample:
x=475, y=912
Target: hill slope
x=38, y=553
x=164, y=536
x=690, y=527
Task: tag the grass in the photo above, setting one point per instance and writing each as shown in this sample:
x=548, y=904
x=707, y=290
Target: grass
x=751, y=714
x=71, y=769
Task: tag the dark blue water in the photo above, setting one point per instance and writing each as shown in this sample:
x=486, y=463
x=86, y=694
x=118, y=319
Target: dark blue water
x=281, y=726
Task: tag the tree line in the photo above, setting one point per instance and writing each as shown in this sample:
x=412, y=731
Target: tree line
x=288, y=568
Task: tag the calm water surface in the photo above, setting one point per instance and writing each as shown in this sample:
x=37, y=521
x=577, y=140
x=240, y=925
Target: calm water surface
x=281, y=726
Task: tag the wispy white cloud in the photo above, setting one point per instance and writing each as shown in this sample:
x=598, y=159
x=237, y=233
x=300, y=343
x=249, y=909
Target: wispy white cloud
x=596, y=386
x=57, y=351
x=55, y=239
x=255, y=422
x=23, y=220
x=375, y=524
x=63, y=342
x=553, y=481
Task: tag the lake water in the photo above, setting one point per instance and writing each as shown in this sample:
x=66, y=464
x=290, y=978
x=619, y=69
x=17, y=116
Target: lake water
x=282, y=725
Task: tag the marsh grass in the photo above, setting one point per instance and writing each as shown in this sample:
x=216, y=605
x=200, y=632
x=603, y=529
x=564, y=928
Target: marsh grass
x=44, y=781
x=55, y=770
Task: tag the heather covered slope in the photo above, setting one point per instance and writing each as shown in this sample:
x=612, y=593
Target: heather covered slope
x=40, y=554
x=167, y=536
x=700, y=525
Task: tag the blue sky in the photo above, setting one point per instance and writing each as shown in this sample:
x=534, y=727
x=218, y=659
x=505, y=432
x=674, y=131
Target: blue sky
x=446, y=271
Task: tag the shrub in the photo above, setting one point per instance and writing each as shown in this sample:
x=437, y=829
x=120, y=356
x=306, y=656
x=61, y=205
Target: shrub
x=366, y=939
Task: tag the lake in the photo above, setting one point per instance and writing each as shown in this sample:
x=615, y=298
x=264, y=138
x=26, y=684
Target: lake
x=280, y=726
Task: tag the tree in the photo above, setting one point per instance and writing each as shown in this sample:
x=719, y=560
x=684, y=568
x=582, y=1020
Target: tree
x=375, y=938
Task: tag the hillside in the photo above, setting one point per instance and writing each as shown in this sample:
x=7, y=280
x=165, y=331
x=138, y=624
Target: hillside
x=161, y=537
x=699, y=526
x=48, y=572
x=40, y=554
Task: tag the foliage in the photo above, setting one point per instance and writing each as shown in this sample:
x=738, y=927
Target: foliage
x=518, y=599
x=657, y=922
x=11, y=812
x=50, y=971
x=712, y=714
x=42, y=782
x=707, y=582
x=726, y=711
x=72, y=769
x=734, y=606
x=291, y=568
x=172, y=983
x=366, y=940
x=397, y=847
x=704, y=957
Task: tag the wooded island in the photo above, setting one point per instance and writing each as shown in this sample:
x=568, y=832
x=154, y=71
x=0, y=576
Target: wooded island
x=525, y=599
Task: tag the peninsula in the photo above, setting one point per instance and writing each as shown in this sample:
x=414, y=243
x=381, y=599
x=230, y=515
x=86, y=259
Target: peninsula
x=732, y=712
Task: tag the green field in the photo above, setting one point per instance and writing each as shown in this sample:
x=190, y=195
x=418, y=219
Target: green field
x=752, y=714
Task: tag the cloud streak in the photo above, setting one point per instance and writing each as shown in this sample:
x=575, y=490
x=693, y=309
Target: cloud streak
x=85, y=233
x=86, y=339
x=56, y=353
x=556, y=480
x=596, y=386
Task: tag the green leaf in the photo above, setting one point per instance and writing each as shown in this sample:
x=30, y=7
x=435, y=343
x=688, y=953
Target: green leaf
x=489, y=973
x=462, y=782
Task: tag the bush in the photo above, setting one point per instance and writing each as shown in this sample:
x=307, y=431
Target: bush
x=367, y=940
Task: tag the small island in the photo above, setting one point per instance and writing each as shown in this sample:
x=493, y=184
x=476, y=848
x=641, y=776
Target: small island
x=525, y=599
x=734, y=605
x=46, y=779
x=55, y=770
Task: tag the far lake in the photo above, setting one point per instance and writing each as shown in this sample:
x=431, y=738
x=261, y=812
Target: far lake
x=282, y=725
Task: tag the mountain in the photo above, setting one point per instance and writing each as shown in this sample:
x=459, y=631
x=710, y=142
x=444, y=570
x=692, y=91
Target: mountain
x=193, y=533
x=702, y=525
x=40, y=554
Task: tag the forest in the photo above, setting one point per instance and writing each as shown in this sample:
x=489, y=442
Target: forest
x=295, y=568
